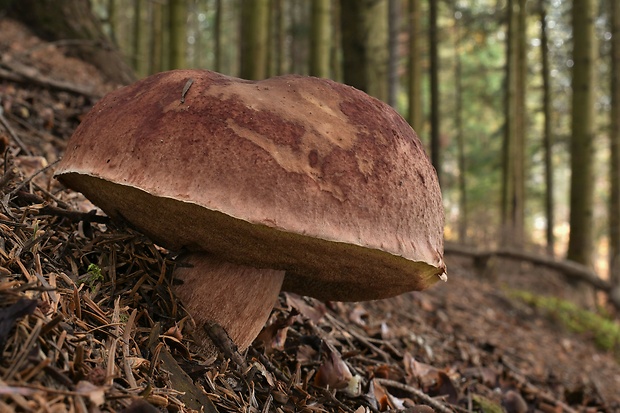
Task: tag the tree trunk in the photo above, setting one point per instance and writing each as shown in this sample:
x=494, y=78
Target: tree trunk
x=336, y=49
x=354, y=48
x=73, y=20
x=363, y=27
x=279, y=37
x=254, y=39
x=156, y=37
x=434, y=79
x=393, y=31
x=140, y=58
x=460, y=139
x=177, y=22
x=581, y=241
x=112, y=20
x=614, y=207
x=376, y=20
x=217, y=37
x=320, y=38
x=513, y=188
x=415, y=66
x=298, y=39
x=547, y=130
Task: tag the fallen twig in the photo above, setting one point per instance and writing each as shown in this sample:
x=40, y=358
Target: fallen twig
x=441, y=407
x=11, y=132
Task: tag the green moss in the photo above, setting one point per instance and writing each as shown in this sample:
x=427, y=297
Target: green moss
x=604, y=331
x=485, y=405
x=93, y=276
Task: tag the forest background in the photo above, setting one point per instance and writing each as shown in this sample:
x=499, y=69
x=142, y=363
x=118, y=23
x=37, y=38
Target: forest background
x=517, y=101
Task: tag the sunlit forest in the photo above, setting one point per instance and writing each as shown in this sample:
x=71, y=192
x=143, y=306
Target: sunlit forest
x=487, y=85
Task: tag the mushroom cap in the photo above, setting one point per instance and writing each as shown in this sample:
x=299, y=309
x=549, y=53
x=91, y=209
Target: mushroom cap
x=293, y=173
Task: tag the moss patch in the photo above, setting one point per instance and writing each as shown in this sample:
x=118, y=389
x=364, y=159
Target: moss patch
x=604, y=331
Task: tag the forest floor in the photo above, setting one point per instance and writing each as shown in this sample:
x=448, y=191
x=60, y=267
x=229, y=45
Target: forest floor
x=88, y=323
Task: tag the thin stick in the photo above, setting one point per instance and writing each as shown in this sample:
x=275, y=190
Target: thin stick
x=11, y=132
x=126, y=337
x=417, y=393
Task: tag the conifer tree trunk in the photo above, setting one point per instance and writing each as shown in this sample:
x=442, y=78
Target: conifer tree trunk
x=155, y=38
x=460, y=138
x=217, y=37
x=279, y=37
x=140, y=58
x=364, y=33
x=614, y=205
x=581, y=241
x=177, y=31
x=320, y=38
x=376, y=18
x=336, y=49
x=112, y=19
x=434, y=79
x=393, y=31
x=354, y=48
x=254, y=39
x=415, y=66
x=513, y=165
x=547, y=131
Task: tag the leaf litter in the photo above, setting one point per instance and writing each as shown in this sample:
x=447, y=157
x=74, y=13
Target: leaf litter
x=88, y=321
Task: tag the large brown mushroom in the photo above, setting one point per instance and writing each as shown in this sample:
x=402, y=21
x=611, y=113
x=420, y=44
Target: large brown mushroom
x=291, y=182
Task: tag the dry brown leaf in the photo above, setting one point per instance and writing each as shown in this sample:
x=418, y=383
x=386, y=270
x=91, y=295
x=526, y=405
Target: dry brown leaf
x=334, y=372
x=314, y=311
x=95, y=394
x=359, y=316
x=419, y=373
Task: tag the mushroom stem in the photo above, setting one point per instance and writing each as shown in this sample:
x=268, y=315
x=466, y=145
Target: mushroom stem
x=238, y=298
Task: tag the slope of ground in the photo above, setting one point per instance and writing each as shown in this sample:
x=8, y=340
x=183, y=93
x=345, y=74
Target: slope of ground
x=88, y=322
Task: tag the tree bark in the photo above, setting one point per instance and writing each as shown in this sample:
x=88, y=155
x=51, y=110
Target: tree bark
x=513, y=171
x=354, y=48
x=614, y=204
x=177, y=21
x=434, y=79
x=73, y=20
x=320, y=38
x=279, y=37
x=376, y=18
x=460, y=139
x=363, y=27
x=254, y=39
x=156, y=38
x=547, y=131
x=415, y=66
x=393, y=31
x=336, y=49
x=581, y=241
x=217, y=37
x=140, y=58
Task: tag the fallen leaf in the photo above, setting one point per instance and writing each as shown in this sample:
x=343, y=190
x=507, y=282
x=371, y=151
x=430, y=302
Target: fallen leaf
x=359, y=315
x=419, y=373
x=274, y=335
x=334, y=372
x=94, y=393
x=310, y=309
